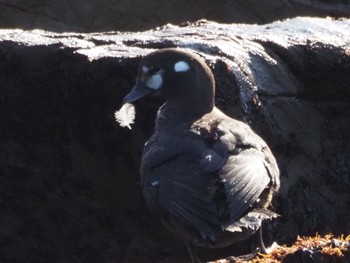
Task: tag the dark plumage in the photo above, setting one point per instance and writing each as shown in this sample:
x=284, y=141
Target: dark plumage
x=209, y=177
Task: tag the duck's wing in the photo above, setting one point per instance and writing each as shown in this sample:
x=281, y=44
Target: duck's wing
x=250, y=168
x=244, y=177
x=249, y=173
x=207, y=180
x=179, y=186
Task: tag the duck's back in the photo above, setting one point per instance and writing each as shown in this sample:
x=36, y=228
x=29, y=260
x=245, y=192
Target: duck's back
x=209, y=179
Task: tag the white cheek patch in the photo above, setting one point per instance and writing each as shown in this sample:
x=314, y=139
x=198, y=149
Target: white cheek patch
x=155, y=82
x=181, y=66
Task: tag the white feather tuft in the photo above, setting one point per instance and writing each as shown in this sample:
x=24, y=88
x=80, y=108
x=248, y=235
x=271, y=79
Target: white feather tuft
x=126, y=115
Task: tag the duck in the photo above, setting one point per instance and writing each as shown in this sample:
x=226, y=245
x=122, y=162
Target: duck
x=208, y=177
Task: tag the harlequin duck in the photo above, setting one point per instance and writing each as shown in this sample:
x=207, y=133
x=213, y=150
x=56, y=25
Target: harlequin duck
x=209, y=177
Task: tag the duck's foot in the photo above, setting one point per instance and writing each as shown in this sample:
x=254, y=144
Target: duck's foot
x=244, y=257
x=269, y=249
x=256, y=252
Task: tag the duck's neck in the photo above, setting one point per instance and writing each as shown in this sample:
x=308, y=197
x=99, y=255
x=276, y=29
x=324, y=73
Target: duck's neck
x=173, y=113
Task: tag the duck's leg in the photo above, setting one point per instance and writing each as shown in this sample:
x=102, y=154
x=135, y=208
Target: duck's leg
x=260, y=248
x=192, y=251
x=261, y=241
x=263, y=249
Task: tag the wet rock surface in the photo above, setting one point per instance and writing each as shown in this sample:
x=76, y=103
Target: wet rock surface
x=136, y=15
x=69, y=174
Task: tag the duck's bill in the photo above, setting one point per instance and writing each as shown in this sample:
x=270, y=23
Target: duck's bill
x=137, y=92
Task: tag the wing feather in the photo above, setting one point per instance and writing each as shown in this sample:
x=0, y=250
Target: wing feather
x=245, y=178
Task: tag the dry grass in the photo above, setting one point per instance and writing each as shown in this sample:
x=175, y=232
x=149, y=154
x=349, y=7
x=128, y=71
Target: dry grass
x=326, y=245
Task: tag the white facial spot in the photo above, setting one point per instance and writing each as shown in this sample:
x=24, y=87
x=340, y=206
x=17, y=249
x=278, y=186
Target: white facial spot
x=145, y=69
x=181, y=66
x=155, y=82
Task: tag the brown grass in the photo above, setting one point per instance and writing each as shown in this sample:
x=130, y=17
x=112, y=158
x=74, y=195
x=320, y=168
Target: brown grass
x=326, y=245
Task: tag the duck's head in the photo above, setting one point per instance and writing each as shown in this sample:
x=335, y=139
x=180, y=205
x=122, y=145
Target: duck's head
x=183, y=78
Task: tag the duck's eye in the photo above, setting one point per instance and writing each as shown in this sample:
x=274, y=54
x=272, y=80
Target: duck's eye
x=181, y=66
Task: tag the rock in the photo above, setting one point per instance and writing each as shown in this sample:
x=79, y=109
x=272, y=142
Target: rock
x=69, y=174
x=135, y=15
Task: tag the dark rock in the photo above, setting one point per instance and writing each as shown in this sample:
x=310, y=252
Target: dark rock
x=69, y=174
x=135, y=15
